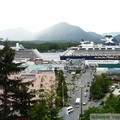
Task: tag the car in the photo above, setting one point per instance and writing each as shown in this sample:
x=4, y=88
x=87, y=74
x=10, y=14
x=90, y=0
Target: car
x=88, y=82
x=85, y=94
x=85, y=102
x=88, y=85
x=69, y=96
x=101, y=102
x=89, y=99
x=86, y=90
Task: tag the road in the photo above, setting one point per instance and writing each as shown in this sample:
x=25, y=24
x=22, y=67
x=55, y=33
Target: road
x=83, y=79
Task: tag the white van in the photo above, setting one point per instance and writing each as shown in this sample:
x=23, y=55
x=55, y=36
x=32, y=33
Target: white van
x=69, y=110
x=77, y=102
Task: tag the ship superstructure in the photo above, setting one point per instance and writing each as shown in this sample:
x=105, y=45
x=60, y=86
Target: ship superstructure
x=108, y=52
x=23, y=54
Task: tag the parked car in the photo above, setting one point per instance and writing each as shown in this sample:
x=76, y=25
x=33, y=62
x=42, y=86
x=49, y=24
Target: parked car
x=88, y=85
x=86, y=90
x=85, y=94
x=89, y=99
x=88, y=82
x=101, y=102
x=69, y=96
x=85, y=102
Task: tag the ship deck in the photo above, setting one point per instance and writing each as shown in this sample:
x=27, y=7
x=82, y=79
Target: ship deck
x=96, y=53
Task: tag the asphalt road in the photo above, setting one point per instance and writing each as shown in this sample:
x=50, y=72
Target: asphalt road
x=83, y=80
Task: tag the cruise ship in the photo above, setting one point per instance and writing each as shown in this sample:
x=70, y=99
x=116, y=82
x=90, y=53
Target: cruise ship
x=23, y=54
x=107, y=52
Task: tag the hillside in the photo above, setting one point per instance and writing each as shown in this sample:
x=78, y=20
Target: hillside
x=61, y=32
x=64, y=32
x=17, y=34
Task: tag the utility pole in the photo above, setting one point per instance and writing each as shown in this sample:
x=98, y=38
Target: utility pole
x=81, y=87
x=63, y=93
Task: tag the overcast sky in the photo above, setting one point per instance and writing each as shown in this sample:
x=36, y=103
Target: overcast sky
x=100, y=16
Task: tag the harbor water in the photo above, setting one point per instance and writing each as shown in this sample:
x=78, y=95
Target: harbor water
x=51, y=56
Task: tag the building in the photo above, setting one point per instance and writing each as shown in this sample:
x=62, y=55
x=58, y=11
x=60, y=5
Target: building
x=73, y=64
x=45, y=79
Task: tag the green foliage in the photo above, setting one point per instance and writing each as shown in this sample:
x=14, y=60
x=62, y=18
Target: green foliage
x=48, y=46
x=61, y=88
x=74, y=78
x=113, y=102
x=14, y=95
x=39, y=111
x=105, y=83
x=91, y=110
x=100, y=86
x=111, y=105
x=96, y=91
x=78, y=71
x=46, y=107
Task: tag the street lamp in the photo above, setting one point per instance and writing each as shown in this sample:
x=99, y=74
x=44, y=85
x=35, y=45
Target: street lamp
x=81, y=87
x=63, y=93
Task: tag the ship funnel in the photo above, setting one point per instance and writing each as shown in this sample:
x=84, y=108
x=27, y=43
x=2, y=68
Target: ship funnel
x=17, y=46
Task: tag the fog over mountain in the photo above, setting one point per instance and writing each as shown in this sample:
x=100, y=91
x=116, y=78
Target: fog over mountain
x=58, y=32
x=16, y=34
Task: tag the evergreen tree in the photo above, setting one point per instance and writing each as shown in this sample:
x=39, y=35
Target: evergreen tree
x=62, y=89
x=14, y=94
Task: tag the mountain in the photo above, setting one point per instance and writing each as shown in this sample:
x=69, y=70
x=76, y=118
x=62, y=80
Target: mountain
x=16, y=34
x=64, y=32
x=61, y=32
x=118, y=38
x=96, y=36
x=111, y=33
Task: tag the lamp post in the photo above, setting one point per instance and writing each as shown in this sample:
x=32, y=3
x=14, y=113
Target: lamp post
x=63, y=93
x=81, y=87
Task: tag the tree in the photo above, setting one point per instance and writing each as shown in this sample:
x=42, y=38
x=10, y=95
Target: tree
x=113, y=102
x=74, y=79
x=91, y=110
x=78, y=70
x=39, y=111
x=46, y=107
x=53, y=108
x=56, y=71
x=22, y=98
x=96, y=90
x=61, y=90
x=105, y=83
x=11, y=97
x=100, y=86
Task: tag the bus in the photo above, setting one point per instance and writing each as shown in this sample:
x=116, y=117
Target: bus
x=77, y=102
x=69, y=110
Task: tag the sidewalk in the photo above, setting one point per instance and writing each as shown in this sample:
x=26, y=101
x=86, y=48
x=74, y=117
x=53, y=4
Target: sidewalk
x=106, y=96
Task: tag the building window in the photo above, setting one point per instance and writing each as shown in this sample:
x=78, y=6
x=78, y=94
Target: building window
x=32, y=90
x=41, y=90
x=41, y=95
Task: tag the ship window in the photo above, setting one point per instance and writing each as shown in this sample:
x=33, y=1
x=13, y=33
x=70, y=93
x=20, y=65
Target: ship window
x=117, y=48
x=96, y=48
x=102, y=48
x=90, y=49
x=109, y=48
x=82, y=49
